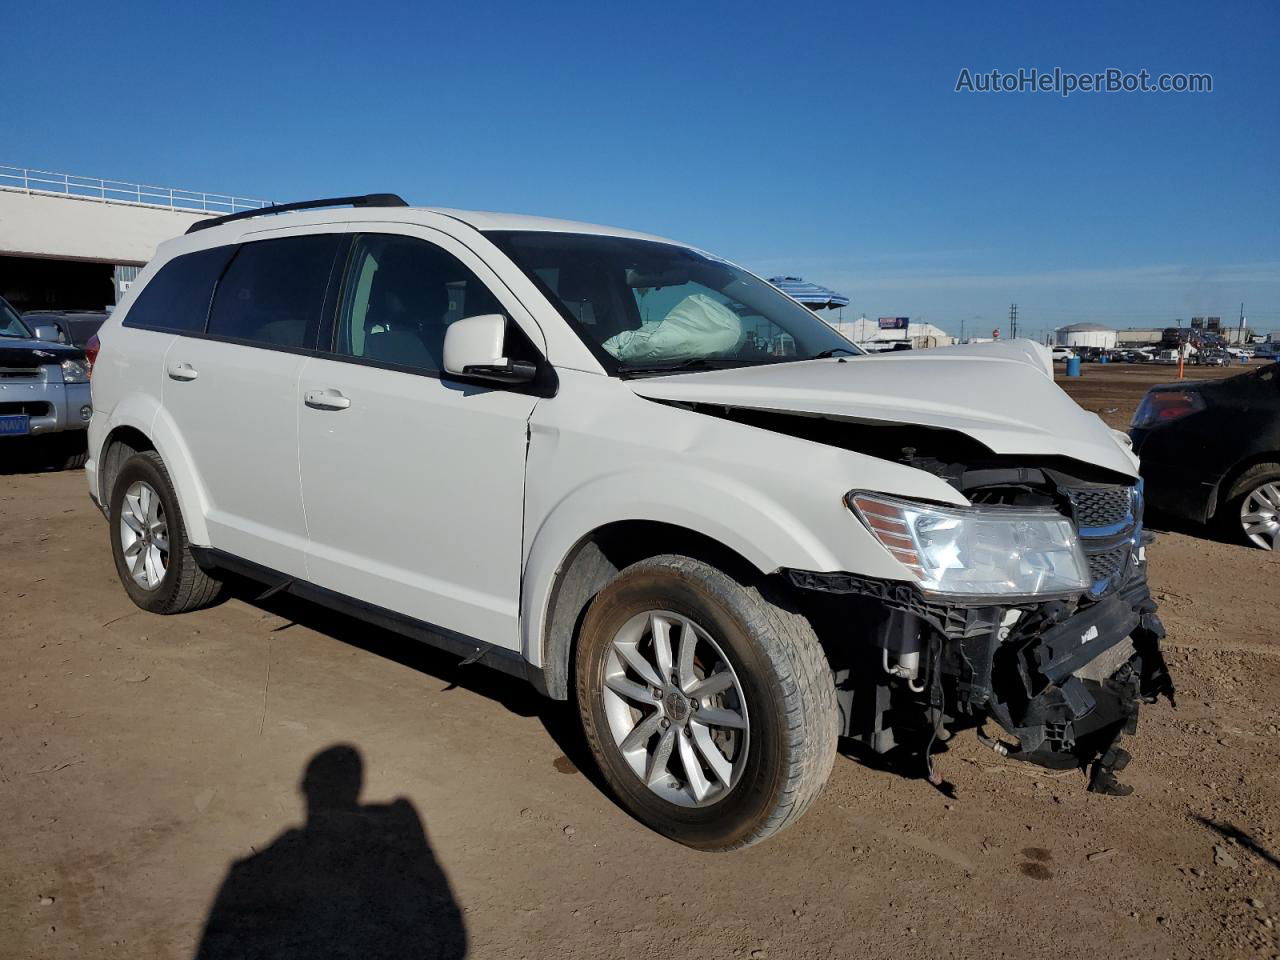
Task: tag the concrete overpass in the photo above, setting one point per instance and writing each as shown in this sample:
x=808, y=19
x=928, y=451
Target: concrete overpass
x=69, y=242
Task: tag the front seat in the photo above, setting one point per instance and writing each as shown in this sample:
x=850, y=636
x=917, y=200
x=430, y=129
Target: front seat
x=404, y=322
x=585, y=294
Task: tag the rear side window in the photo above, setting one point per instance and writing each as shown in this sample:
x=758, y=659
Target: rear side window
x=274, y=291
x=177, y=298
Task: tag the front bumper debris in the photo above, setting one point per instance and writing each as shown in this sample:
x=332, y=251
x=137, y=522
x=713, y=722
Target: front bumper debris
x=1063, y=678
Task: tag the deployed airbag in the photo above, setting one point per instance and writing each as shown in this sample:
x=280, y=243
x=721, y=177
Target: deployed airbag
x=697, y=326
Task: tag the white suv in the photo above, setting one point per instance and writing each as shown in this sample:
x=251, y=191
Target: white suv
x=619, y=466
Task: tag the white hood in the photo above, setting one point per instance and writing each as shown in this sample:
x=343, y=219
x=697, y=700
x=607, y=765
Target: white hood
x=1000, y=394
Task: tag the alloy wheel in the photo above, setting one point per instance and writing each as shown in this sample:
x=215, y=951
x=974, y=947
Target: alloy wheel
x=144, y=535
x=675, y=708
x=1260, y=515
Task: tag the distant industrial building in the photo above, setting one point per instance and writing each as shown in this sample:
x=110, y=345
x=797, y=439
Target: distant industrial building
x=1096, y=335
x=1140, y=337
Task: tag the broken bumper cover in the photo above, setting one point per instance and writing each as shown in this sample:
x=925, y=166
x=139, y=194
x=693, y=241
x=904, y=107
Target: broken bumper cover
x=1068, y=685
x=1065, y=678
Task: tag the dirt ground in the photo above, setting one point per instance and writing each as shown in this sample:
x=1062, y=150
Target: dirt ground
x=142, y=756
x=1114, y=390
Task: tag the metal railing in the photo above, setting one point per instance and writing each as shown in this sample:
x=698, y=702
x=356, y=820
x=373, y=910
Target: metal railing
x=46, y=182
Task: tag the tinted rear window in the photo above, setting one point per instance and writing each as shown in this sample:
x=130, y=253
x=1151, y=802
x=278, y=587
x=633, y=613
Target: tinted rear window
x=81, y=330
x=177, y=298
x=274, y=291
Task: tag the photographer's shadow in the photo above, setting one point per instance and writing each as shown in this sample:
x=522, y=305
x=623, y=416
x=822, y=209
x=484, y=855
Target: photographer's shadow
x=353, y=881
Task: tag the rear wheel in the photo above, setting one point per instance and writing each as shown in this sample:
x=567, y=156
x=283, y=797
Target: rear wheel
x=149, y=541
x=1251, y=512
x=710, y=710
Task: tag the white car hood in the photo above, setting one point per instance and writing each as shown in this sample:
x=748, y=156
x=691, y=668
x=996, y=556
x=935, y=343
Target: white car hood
x=1000, y=394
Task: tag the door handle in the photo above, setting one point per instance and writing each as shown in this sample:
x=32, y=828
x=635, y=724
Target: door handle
x=326, y=400
x=182, y=371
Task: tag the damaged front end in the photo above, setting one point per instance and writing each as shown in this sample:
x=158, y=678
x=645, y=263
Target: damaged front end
x=1063, y=676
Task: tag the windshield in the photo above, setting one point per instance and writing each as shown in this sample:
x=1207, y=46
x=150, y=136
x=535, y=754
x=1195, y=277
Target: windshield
x=648, y=307
x=11, y=324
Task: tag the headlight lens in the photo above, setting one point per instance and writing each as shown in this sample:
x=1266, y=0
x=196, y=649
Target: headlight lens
x=75, y=371
x=978, y=551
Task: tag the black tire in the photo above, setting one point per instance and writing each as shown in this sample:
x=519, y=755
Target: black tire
x=1228, y=515
x=786, y=682
x=62, y=451
x=185, y=586
x=75, y=459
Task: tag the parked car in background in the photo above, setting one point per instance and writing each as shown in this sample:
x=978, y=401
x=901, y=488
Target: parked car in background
x=1062, y=354
x=1211, y=453
x=74, y=326
x=44, y=393
x=562, y=450
x=1211, y=358
x=885, y=346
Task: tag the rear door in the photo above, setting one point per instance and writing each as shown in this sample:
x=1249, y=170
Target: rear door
x=232, y=394
x=413, y=482
x=174, y=301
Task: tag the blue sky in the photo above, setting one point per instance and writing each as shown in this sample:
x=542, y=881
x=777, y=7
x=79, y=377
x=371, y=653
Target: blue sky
x=824, y=140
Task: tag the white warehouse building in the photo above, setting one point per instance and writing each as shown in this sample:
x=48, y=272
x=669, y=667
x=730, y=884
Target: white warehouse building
x=1086, y=335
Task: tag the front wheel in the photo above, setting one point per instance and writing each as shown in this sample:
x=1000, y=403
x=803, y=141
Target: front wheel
x=710, y=710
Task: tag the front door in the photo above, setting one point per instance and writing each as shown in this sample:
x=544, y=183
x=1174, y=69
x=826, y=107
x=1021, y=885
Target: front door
x=413, y=483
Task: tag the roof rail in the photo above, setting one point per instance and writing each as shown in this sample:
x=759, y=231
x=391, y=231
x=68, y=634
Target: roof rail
x=368, y=200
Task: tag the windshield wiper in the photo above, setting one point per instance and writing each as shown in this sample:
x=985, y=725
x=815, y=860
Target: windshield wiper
x=827, y=354
x=693, y=363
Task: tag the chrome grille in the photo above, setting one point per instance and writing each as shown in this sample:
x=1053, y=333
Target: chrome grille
x=1110, y=523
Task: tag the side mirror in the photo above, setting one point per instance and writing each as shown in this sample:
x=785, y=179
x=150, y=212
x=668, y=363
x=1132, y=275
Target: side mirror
x=47, y=331
x=473, y=347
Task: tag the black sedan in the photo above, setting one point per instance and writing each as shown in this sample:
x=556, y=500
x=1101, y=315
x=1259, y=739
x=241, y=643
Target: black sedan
x=1211, y=453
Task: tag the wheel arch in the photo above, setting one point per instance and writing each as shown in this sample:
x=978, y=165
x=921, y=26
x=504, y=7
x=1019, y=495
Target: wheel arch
x=120, y=444
x=137, y=427
x=592, y=562
x=1223, y=492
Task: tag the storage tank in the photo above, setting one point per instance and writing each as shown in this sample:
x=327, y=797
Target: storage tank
x=1086, y=335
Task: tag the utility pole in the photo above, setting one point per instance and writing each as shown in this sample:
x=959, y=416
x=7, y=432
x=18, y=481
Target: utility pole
x=1013, y=321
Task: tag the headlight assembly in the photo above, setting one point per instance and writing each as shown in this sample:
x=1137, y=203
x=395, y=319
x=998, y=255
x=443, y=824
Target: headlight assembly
x=978, y=551
x=75, y=371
